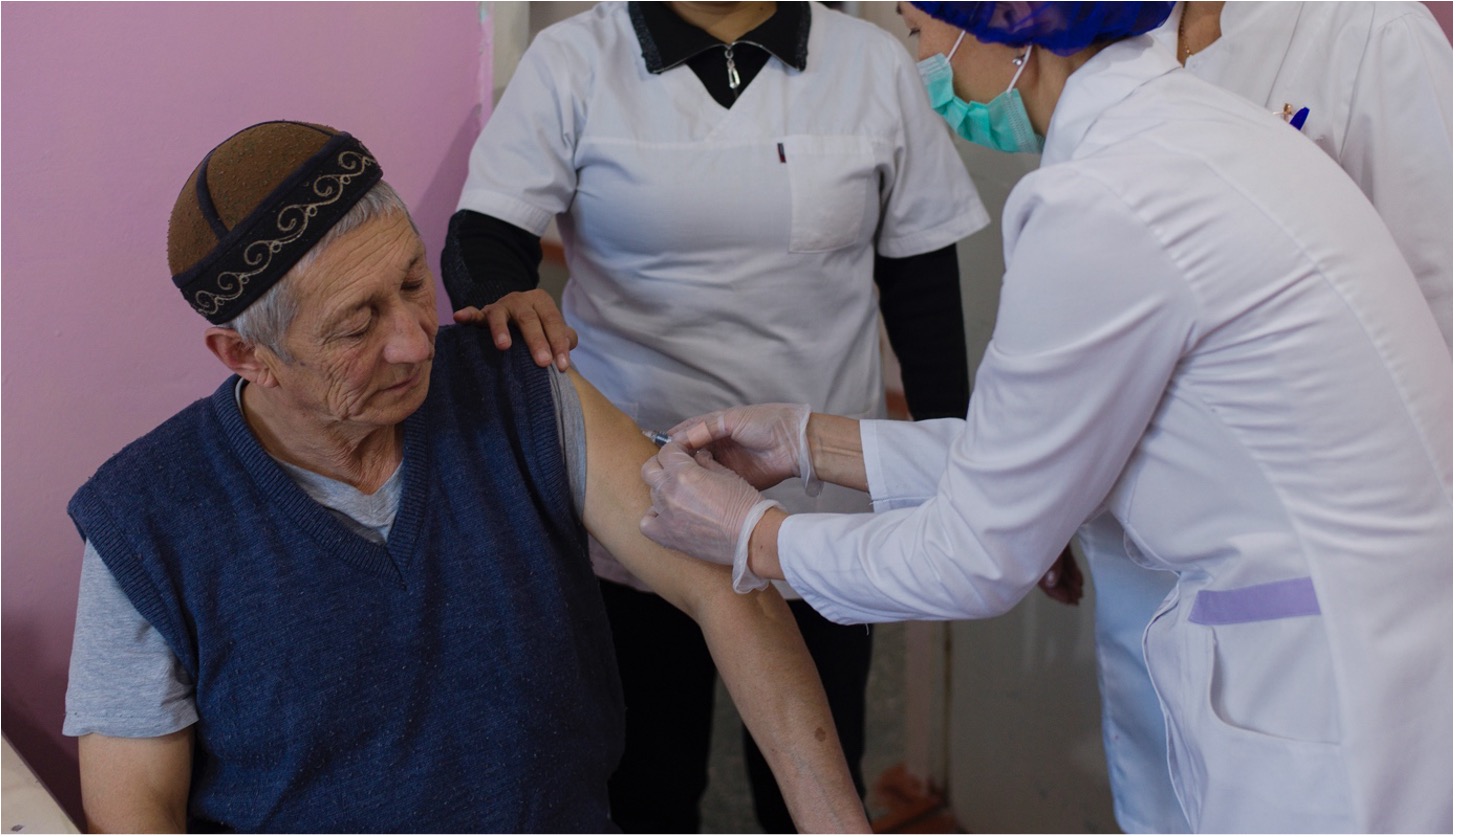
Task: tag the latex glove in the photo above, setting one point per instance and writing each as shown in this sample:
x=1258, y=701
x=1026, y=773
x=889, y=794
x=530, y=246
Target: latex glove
x=1063, y=581
x=547, y=335
x=704, y=509
x=763, y=443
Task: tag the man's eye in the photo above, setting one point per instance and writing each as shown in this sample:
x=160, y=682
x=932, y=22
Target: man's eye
x=353, y=331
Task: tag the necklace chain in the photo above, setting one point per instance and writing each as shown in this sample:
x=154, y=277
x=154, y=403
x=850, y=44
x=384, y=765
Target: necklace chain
x=1185, y=50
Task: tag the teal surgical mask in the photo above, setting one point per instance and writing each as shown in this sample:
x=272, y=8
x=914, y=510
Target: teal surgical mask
x=1001, y=124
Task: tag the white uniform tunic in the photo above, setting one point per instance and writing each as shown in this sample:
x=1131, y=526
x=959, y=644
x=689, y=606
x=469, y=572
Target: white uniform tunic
x=1377, y=79
x=1205, y=331
x=724, y=256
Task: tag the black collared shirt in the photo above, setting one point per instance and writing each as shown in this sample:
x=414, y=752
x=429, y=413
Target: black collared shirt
x=668, y=41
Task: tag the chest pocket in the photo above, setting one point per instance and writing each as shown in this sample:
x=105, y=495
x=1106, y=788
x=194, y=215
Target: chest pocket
x=834, y=191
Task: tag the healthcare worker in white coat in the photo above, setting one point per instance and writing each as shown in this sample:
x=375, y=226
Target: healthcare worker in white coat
x=1206, y=332
x=1370, y=84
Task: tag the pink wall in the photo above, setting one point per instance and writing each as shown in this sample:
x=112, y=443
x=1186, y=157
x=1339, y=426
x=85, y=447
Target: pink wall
x=107, y=108
x=1442, y=11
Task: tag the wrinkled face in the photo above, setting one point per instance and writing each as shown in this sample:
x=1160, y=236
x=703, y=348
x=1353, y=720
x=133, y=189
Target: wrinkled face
x=364, y=336
x=980, y=72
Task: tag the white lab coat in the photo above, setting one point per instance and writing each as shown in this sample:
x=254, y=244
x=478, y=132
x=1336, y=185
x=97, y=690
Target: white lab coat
x=724, y=256
x=1377, y=79
x=1205, y=332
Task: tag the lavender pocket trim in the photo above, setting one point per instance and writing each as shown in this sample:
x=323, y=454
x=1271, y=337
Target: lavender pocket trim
x=1257, y=603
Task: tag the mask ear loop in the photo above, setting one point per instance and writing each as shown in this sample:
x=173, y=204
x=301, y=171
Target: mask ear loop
x=955, y=45
x=1021, y=64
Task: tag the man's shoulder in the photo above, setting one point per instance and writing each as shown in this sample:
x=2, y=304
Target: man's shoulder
x=468, y=351
x=476, y=384
x=157, y=449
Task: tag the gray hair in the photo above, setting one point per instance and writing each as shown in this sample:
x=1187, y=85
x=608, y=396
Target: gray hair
x=266, y=321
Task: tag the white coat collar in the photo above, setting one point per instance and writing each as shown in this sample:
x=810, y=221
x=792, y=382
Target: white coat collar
x=1252, y=35
x=1107, y=79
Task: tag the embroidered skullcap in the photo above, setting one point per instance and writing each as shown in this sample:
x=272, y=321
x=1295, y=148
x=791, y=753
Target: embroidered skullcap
x=1063, y=28
x=255, y=205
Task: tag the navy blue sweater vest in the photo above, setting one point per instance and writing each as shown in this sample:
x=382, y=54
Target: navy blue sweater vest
x=459, y=679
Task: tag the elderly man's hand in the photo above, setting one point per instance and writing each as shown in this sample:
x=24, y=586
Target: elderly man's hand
x=763, y=443
x=704, y=509
x=547, y=335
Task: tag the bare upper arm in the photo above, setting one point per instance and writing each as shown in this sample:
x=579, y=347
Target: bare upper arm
x=617, y=498
x=136, y=784
x=753, y=638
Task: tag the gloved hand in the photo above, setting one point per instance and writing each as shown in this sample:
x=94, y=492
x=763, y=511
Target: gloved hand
x=703, y=509
x=763, y=443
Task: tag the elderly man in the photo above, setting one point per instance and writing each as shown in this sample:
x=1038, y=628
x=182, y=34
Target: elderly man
x=349, y=591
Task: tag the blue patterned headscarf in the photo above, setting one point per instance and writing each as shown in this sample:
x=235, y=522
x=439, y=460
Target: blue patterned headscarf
x=1063, y=28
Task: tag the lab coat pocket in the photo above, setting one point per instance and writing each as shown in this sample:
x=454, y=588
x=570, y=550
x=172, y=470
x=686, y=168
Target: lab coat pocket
x=1271, y=670
x=1262, y=751
x=833, y=190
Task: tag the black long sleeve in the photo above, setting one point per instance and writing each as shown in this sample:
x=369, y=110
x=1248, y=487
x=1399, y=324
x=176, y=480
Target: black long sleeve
x=485, y=258
x=920, y=299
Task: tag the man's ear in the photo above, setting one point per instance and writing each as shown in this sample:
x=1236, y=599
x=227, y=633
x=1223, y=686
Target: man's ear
x=251, y=362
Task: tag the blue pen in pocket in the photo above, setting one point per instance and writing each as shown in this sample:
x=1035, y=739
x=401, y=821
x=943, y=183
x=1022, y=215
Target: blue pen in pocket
x=1296, y=118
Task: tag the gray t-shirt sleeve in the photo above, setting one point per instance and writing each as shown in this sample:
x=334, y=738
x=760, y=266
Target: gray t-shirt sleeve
x=572, y=430
x=124, y=682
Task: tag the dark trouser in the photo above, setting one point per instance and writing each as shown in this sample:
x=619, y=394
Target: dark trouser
x=667, y=681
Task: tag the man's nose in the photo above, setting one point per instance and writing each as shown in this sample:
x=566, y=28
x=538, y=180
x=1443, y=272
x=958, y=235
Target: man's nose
x=411, y=339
